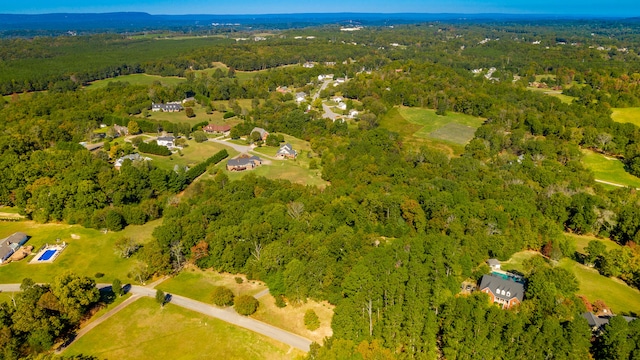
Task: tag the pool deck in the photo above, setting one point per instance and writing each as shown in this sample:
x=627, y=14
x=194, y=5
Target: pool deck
x=58, y=249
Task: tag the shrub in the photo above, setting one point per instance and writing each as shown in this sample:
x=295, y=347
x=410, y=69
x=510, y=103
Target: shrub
x=98, y=275
x=238, y=280
x=311, y=320
x=222, y=296
x=199, y=136
x=246, y=305
x=280, y=301
x=228, y=114
x=116, y=287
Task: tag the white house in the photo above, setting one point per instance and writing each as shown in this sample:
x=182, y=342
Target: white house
x=300, y=97
x=168, y=141
x=342, y=106
x=337, y=99
x=133, y=157
x=353, y=113
x=286, y=152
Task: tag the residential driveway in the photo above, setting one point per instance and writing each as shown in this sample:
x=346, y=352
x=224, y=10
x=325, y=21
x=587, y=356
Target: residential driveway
x=242, y=148
x=236, y=147
x=229, y=315
x=328, y=113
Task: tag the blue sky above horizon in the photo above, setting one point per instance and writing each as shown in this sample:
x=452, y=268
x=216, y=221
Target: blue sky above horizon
x=623, y=8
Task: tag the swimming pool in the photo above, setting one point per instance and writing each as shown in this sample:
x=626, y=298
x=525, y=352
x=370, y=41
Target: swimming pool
x=508, y=276
x=47, y=255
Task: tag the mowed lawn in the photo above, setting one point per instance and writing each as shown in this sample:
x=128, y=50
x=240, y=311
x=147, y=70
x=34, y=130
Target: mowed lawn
x=452, y=127
x=137, y=79
x=143, y=330
x=181, y=116
x=620, y=297
x=295, y=170
x=199, y=284
x=608, y=169
x=626, y=115
x=193, y=154
x=555, y=93
x=582, y=241
x=419, y=127
x=92, y=253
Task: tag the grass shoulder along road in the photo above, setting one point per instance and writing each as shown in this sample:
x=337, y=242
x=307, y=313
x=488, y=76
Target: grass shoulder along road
x=144, y=330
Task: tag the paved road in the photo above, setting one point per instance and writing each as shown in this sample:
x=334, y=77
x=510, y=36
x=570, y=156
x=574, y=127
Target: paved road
x=324, y=86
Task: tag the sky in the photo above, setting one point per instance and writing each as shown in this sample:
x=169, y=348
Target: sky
x=623, y=8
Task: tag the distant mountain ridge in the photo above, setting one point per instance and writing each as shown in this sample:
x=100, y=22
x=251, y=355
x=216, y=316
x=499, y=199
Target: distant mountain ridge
x=136, y=21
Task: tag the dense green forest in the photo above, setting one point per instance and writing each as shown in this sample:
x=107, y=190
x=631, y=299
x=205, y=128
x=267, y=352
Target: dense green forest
x=401, y=224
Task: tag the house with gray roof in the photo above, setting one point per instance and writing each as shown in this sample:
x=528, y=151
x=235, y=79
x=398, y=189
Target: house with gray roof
x=286, y=152
x=503, y=292
x=168, y=107
x=597, y=322
x=494, y=264
x=168, y=141
x=133, y=157
x=243, y=163
x=10, y=244
x=263, y=133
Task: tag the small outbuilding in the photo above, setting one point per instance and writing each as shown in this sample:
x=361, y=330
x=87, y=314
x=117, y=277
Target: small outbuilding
x=494, y=264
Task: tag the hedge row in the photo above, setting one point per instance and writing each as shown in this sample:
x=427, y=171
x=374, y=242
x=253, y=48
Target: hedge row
x=199, y=169
x=153, y=148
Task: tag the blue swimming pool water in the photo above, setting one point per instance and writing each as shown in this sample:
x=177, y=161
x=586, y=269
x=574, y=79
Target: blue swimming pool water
x=47, y=255
x=507, y=277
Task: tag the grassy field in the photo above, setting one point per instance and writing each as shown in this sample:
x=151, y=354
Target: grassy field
x=199, y=284
x=91, y=253
x=242, y=76
x=138, y=79
x=181, y=117
x=582, y=241
x=291, y=318
x=191, y=155
x=555, y=93
x=620, y=297
x=616, y=294
x=626, y=115
x=420, y=126
x=608, y=169
x=143, y=330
